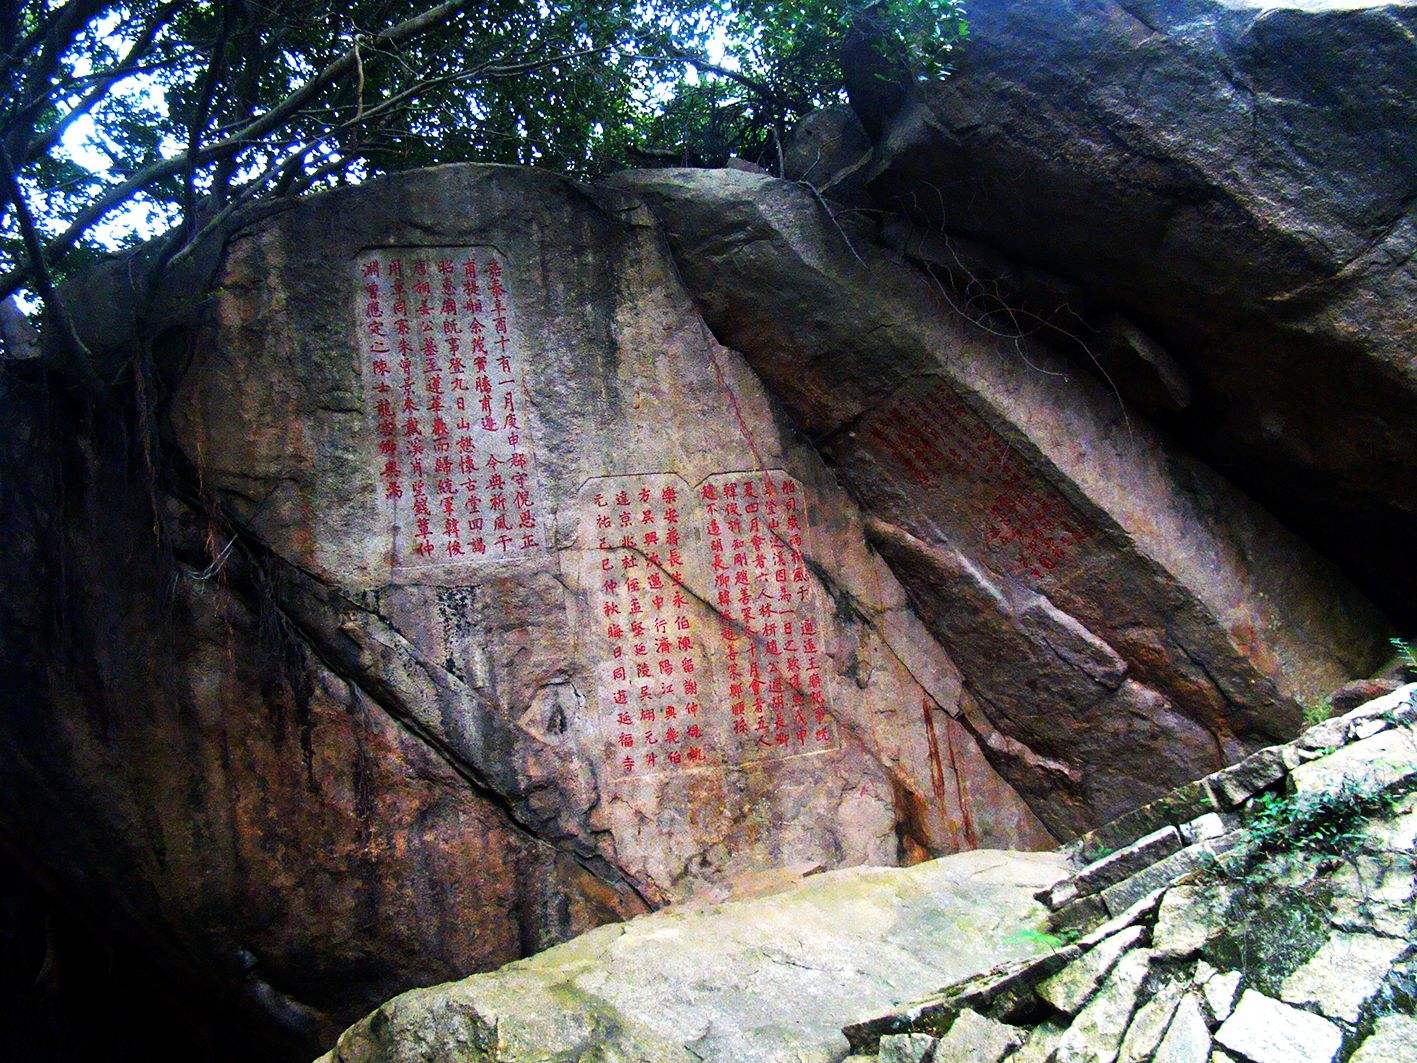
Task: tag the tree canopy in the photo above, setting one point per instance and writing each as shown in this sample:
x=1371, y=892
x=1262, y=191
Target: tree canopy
x=189, y=109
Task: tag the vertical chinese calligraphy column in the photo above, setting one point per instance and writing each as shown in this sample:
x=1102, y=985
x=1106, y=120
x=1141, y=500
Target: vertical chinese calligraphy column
x=458, y=472
x=389, y=394
x=654, y=711
x=769, y=623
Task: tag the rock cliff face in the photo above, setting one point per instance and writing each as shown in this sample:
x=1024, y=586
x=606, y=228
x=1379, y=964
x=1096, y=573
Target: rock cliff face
x=462, y=646
x=1239, y=179
x=1124, y=620
x=475, y=557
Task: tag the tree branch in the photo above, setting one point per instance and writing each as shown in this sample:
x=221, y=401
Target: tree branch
x=252, y=133
x=66, y=25
x=759, y=89
x=41, y=144
x=43, y=280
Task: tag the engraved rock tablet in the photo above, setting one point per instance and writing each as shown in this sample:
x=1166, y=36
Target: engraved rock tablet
x=443, y=384
x=770, y=629
x=944, y=460
x=699, y=614
x=655, y=707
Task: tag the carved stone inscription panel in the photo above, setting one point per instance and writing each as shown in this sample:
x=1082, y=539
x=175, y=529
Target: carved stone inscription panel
x=654, y=710
x=696, y=606
x=770, y=630
x=941, y=450
x=441, y=365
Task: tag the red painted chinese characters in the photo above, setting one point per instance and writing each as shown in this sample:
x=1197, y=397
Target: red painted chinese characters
x=655, y=701
x=937, y=441
x=770, y=633
x=444, y=387
x=706, y=635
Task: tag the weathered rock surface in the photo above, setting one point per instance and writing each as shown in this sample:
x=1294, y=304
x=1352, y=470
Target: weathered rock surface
x=1239, y=178
x=829, y=150
x=319, y=703
x=1394, y=1037
x=1295, y=946
x=1264, y=1030
x=1123, y=619
x=319, y=763
x=760, y=980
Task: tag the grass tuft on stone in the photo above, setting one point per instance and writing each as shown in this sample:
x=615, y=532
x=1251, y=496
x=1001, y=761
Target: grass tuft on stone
x=1326, y=823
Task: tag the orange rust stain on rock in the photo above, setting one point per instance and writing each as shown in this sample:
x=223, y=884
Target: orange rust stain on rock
x=1152, y=663
x=937, y=779
x=1249, y=643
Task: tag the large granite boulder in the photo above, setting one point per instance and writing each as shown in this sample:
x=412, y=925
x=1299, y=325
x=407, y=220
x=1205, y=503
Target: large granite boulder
x=1282, y=931
x=442, y=587
x=1239, y=177
x=1124, y=619
x=453, y=591
x=752, y=981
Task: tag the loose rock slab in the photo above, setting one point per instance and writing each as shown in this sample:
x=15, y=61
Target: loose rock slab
x=745, y=982
x=1345, y=973
x=1266, y=1031
x=1187, y=1039
x=1394, y=1037
x=975, y=1038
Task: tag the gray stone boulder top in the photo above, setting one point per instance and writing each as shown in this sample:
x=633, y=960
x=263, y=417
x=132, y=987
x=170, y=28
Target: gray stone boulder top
x=1264, y=946
x=1281, y=933
x=767, y=978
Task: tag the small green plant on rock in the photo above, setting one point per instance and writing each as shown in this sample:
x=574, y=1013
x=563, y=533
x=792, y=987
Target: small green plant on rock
x=1407, y=651
x=1279, y=878
x=1318, y=712
x=1052, y=942
x=1326, y=823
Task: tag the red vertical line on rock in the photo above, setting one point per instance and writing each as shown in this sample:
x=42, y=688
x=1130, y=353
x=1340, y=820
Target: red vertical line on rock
x=937, y=776
x=737, y=411
x=971, y=838
x=937, y=769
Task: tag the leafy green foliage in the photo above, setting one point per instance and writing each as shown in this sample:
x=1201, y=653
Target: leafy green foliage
x=1327, y=823
x=793, y=47
x=1318, y=712
x=1407, y=652
x=500, y=81
x=362, y=87
x=1046, y=940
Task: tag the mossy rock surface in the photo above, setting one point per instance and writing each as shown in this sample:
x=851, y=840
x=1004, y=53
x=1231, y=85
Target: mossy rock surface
x=769, y=978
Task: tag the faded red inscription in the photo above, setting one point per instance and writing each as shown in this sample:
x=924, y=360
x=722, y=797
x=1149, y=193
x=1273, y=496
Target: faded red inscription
x=934, y=438
x=443, y=384
x=769, y=630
